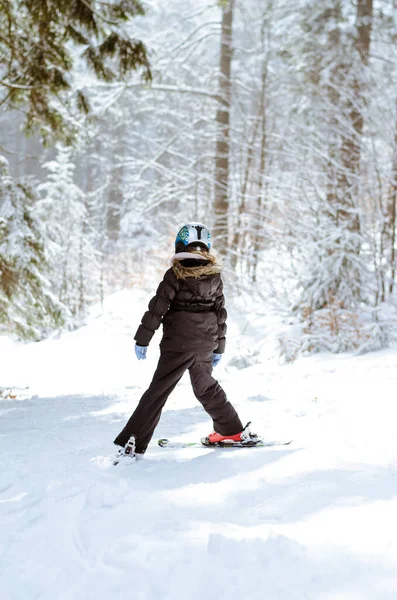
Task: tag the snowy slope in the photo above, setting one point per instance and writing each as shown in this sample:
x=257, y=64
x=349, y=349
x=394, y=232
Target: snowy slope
x=312, y=521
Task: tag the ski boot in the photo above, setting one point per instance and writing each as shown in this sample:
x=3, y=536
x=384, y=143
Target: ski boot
x=244, y=438
x=127, y=452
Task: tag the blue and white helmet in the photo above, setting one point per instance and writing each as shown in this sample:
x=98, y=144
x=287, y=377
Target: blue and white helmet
x=193, y=233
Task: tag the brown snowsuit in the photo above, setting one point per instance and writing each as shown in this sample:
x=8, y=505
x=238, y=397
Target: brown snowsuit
x=190, y=304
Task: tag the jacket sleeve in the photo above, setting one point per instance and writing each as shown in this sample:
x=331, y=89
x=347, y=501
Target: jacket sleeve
x=158, y=307
x=221, y=316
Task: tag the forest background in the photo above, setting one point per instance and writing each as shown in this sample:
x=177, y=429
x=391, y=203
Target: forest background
x=274, y=122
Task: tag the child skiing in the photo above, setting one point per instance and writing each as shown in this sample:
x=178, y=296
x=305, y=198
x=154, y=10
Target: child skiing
x=189, y=302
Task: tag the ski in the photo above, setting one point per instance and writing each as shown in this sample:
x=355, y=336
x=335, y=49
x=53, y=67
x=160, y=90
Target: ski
x=126, y=454
x=125, y=459
x=166, y=443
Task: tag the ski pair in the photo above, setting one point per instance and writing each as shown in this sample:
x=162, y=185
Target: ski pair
x=244, y=438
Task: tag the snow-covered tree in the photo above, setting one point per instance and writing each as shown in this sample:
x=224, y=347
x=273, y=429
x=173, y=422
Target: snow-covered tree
x=64, y=211
x=28, y=305
x=36, y=55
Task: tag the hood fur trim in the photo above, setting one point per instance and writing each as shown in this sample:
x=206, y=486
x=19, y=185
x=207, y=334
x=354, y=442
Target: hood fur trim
x=181, y=272
x=183, y=255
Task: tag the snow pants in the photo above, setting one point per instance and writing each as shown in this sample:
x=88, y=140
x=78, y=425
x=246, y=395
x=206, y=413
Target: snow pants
x=171, y=367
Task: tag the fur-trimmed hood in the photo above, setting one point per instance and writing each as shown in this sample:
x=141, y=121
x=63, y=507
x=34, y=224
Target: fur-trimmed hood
x=181, y=272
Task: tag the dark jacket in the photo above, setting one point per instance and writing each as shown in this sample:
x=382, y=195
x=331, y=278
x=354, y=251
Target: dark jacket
x=190, y=304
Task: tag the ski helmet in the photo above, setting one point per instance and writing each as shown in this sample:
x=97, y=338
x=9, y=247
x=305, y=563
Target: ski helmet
x=192, y=233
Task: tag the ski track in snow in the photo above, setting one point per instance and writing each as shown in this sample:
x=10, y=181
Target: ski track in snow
x=312, y=521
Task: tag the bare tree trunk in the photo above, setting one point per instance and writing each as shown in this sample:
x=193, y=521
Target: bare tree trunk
x=260, y=128
x=242, y=209
x=364, y=16
x=259, y=216
x=63, y=294
x=81, y=269
x=391, y=213
x=115, y=198
x=351, y=144
x=388, y=234
x=221, y=207
x=82, y=258
x=393, y=201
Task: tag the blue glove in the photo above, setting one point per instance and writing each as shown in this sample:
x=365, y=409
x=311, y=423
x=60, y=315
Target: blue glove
x=140, y=352
x=216, y=359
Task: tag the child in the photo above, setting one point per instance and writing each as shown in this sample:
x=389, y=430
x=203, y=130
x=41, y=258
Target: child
x=189, y=302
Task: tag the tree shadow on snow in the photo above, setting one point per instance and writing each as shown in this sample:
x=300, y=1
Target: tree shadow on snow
x=227, y=498
x=85, y=426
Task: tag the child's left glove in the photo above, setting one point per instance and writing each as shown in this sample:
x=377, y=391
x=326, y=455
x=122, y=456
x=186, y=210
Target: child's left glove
x=216, y=359
x=140, y=352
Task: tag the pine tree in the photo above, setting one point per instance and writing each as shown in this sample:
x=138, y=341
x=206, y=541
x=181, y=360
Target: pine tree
x=28, y=306
x=37, y=55
x=64, y=212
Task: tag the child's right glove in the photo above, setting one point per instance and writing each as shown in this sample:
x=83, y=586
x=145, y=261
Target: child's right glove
x=216, y=359
x=140, y=352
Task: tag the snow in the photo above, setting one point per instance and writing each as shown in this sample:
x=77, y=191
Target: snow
x=311, y=521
